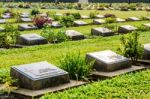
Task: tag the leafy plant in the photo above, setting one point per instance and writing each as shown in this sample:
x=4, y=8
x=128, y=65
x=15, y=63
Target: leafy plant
x=76, y=15
x=131, y=47
x=7, y=88
x=143, y=28
x=7, y=81
x=61, y=35
x=56, y=17
x=110, y=20
x=53, y=36
x=40, y=21
x=9, y=36
x=4, y=74
x=34, y=11
x=93, y=15
x=67, y=20
x=75, y=65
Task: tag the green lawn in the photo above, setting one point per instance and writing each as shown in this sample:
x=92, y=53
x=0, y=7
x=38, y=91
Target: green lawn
x=127, y=86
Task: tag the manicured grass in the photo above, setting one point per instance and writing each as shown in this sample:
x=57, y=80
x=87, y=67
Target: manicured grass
x=51, y=52
x=129, y=86
x=126, y=86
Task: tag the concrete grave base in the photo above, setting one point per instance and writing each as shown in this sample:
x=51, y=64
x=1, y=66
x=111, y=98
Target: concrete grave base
x=126, y=29
x=101, y=74
x=100, y=16
x=108, y=61
x=147, y=25
x=146, y=54
x=120, y=20
x=56, y=24
x=29, y=94
x=74, y=35
x=24, y=15
x=26, y=20
x=85, y=17
x=6, y=16
x=2, y=21
x=147, y=18
x=31, y=39
x=80, y=23
x=98, y=21
x=22, y=27
x=133, y=19
x=102, y=31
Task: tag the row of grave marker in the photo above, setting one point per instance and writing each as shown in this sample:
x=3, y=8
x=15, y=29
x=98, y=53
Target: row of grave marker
x=41, y=75
x=55, y=24
x=35, y=39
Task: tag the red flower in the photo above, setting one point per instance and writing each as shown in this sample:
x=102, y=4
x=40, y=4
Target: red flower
x=40, y=21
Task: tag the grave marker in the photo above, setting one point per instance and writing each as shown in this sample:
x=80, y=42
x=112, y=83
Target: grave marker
x=108, y=61
x=146, y=54
x=39, y=75
x=126, y=29
x=31, y=39
x=102, y=31
x=22, y=27
x=98, y=21
x=74, y=35
x=80, y=23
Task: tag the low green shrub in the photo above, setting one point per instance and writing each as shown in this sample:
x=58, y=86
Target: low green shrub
x=76, y=15
x=67, y=20
x=9, y=36
x=7, y=81
x=50, y=13
x=75, y=65
x=56, y=17
x=110, y=20
x=113, y=27
x=4, y=75
x=143, y=28
x=132, y=6
x=131, y=47
x=53, y=36
x=92, y=15
x=34, y=11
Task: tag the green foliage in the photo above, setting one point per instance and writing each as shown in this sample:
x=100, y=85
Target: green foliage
x=61, y=35
x=132, y=6
x=113, y=27
x=53, y=36
x=93, y=15
x=131, y=47
x=75, y=65
x=143, y=28
x=34, y=11
x=67, y=20
x=128, y=86
x=76, y=15
x=56, y=17
x=9, y=36
x=110, y=20
x=4, y=75
x=7, y=81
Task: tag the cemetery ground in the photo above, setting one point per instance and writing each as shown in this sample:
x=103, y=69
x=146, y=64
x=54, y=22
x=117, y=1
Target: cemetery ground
x=132, y=85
